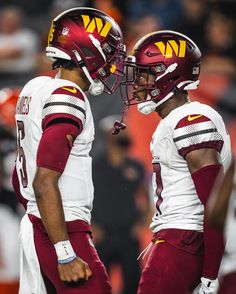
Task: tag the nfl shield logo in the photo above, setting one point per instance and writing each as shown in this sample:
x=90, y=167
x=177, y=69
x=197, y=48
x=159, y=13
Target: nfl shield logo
x=65, y=31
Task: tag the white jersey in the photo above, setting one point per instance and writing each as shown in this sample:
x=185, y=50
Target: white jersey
x=186, y=128
x=228, y=264
x=42, y=100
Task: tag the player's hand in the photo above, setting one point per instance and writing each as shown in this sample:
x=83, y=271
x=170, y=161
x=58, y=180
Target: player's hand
x=207, y=286
x=74, y=271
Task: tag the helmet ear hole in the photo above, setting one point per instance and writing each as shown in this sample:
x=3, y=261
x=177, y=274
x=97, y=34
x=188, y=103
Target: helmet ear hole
x=68, y=64
x=87, y=52
x=175, y=78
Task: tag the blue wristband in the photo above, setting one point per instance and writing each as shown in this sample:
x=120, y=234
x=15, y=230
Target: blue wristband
x=67, y=260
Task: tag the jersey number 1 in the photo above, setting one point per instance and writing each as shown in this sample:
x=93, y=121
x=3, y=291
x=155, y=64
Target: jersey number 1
x=21, y=154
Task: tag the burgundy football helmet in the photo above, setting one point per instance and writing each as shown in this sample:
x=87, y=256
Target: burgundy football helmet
x=94, y=41
x=163, y=63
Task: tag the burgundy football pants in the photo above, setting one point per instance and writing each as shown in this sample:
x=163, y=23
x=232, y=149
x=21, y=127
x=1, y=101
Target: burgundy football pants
x=174, y=266
x=79, y=236
x=228, y=284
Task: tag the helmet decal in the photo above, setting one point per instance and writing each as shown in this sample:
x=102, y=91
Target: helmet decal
x=96, y=23
x=172, y=46
x=65, y=31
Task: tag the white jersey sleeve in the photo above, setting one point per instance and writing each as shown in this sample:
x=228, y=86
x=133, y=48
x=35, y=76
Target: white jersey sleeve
x=196, y=131
x=64, y=102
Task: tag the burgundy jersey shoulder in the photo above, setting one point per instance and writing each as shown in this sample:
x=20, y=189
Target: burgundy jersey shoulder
x=69, y=90
x=191, y=119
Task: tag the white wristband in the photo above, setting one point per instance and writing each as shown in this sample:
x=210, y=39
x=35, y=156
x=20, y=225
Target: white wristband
x=64, y=251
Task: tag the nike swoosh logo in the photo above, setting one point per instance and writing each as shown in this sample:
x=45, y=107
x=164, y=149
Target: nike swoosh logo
x=193, y=117
x=73, y=90
x=159, y=241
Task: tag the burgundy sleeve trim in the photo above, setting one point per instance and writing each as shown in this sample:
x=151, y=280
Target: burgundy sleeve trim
x=51, y=117
x=48, y=166
x=217, y=145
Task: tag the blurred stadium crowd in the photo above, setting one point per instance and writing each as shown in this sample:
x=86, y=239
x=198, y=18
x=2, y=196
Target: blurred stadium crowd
x=23, y=36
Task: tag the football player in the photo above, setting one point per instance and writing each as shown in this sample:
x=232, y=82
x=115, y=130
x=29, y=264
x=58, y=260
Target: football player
x=53, y=175
x=190, y=147
x=222, y=214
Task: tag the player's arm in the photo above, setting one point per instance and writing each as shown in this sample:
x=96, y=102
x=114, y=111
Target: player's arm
x=219, y=200
x=49, y=203
x=205, y=166
x=53, y=152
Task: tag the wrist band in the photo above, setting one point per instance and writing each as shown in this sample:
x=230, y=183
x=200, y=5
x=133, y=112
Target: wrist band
x=64, y=251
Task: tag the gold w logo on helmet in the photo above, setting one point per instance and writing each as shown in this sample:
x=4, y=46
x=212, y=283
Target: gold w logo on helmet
x=96, y=23
x=170, y=47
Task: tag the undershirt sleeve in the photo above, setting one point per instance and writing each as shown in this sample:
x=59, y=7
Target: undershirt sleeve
x=54, y=147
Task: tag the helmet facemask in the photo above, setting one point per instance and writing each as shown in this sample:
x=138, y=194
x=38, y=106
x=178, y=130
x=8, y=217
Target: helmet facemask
x=112, y=73
x=143, y=87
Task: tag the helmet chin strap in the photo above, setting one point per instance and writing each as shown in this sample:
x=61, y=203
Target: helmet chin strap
x=146, y=107
x=96, y=87
x=150, y=106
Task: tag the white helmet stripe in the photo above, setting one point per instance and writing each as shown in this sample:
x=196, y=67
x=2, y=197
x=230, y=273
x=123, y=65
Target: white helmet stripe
x=54, y=52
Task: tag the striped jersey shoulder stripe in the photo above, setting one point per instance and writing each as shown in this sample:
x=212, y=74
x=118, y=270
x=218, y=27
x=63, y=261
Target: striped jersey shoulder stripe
x=67, y=104
x=200, y=132
x=65, y=100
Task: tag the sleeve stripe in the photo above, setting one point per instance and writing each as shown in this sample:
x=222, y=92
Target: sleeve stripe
x=65, y=98
x=193, y=128
x=195, y=134
x=62, y=116
x=65, y=104
x=217, y=145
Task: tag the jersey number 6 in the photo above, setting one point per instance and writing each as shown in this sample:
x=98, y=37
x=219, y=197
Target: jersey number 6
x=21, y=154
